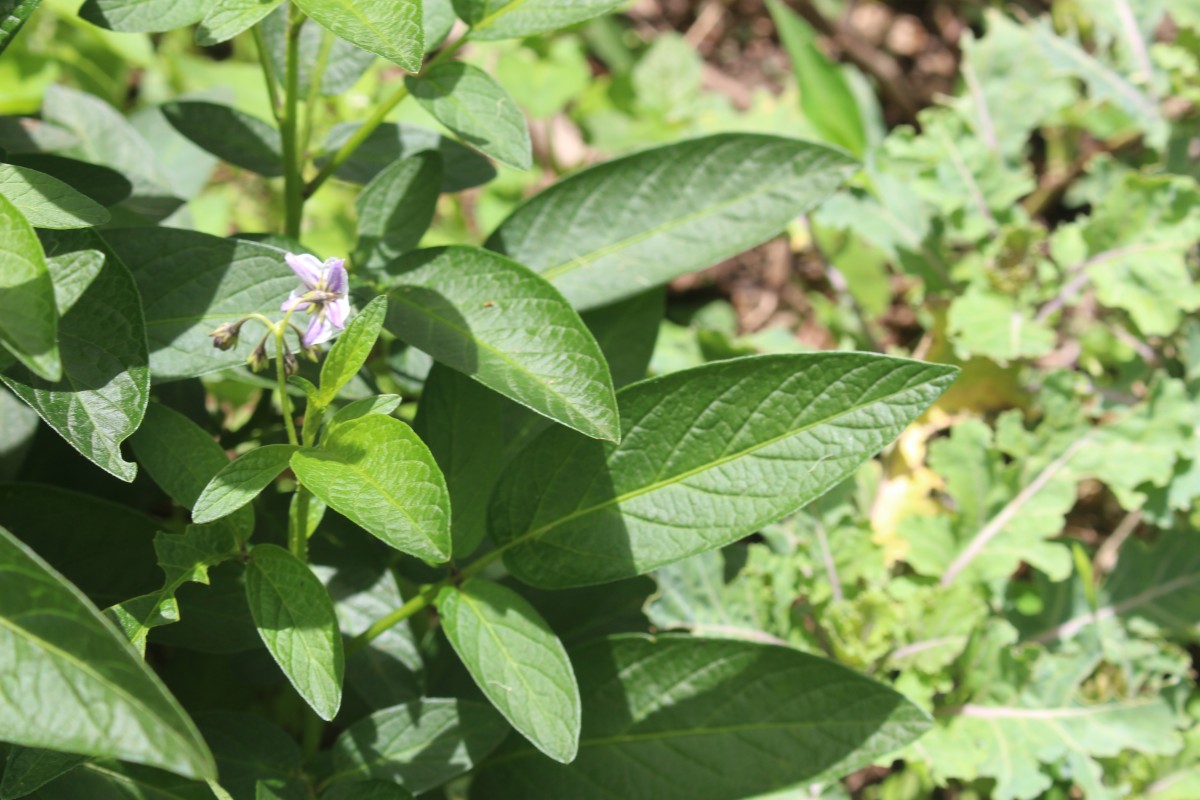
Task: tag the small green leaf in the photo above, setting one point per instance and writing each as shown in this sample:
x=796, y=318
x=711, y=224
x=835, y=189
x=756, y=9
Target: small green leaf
x=47, y=202
x=297, y=623
x=351, y=349
x=419, y=745
x=105, y=385
x=29, y=768
x=757, y=717
x=517, y=661
x=471, y=103
x=227, y=18
x=514, y=19
x=608, y=232
x=389, y=28
x=381, y=404
x=380, y=474
x=28, y=319
x=496, y=321
x=69, y=682
x=230, y=135
x=241, y=480
x=395, y=209
x=708, y=455
x=143, y=16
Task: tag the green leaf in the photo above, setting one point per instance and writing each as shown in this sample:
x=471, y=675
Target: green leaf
x=182, y=458
x=227, y=18
x=105, y=386
x=229, y=134
x=757, y=717
x=462, y=167
x=241, y=480
x=110, y=780
x=105, y=549
x=707, y=456
x=351, y=349
x=389, y=28
x=496, y=321
x=517, y=661
x=825, y=95
x=419, y=745
x=344, y=65
x=249, y=748
x=381, y=404
x=48, y=202
x=296, y=621
x=514, y=19
x=471, y=103
x=29, y=768
x=143, y=16
x=366, y=790
x=103, y=185
x=184, y=299
x=621, y=227
x=14, y=17
x=184, y=558
x=28, y=319
x=395, y=209
x=377, y=472
x=72, y=274
x=24, y=135
x=71, y=683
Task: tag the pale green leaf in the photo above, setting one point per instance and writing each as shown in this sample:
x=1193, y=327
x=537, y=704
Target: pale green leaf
x=676, y=718
x=28, y=319
x=381, y=404
x=378, y=473
x=69, y=682
x=517, y=661
x=513, y=19
x=389, y=28
x=350, y=351
x=227, y=18
x=471, y=103
x=297, y=623
x=241, y=480
x=419, y=745
x=496, y=321
x=395, y=209
x=143, y=16
x=47, y=202
x=624, y=226
x=462, y=167
x=707, y=456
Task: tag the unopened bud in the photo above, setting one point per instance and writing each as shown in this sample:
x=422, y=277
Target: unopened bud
x=258, y=358
x=312, y=353
x=225, y=337
x=290, y=365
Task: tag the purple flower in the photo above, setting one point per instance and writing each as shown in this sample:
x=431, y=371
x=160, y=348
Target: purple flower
x=323, y=297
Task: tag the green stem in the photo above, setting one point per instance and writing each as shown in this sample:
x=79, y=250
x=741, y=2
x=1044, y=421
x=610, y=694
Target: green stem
x=264, y=59
x=314, y=89
x=364, y=131
x=293, y=179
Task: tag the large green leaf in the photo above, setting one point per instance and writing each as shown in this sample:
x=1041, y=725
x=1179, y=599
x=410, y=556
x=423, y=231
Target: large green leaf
x=297, y=623
x=110, y=780
x=190, y=283
x=344, y=65
x=104, y=185
x=707, y=456
x=182, y=458
x=496, y=321
x=68, y=681
x=143, y=16
x=471, y=103
x=621, y=227
x=241, y=480
x=389, y=28
x=27, y=769
x=395, y=209
x=105, y=386
x=462, y=167
x=249, y=748
x=513, y=19
x=517, y=661
x=28, y=319
x=379, y=473
x=46, y=201
x=419, y=745
x=350, y=351
x=227, y=18
x=678, y=718
x=229, y=134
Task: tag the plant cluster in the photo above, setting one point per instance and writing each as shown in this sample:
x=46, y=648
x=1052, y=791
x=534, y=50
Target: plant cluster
x=433, y=490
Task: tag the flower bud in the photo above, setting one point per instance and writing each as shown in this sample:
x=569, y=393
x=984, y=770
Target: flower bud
x=290, y=365
x=225, y=337
x=258, y=358
x=312, y=353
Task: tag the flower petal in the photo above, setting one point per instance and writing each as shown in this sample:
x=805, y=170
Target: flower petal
x=335, y=275
x=338, y=310
x=295, y=300
x=307, y=268
x=319, y=330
